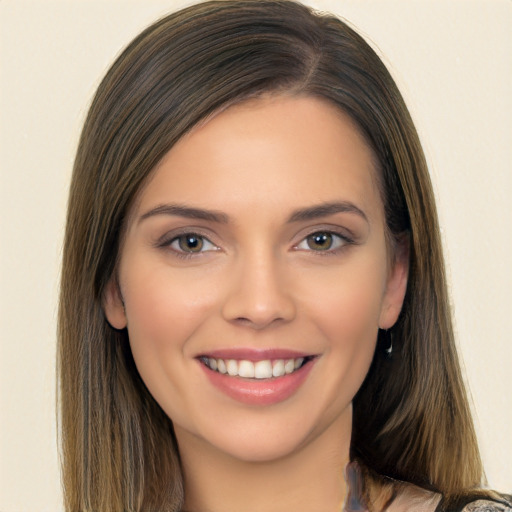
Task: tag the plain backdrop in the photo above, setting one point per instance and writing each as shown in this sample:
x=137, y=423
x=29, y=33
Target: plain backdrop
x=452, y=61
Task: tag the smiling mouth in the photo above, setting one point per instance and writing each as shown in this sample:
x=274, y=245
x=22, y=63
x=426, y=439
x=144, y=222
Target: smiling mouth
x=257, y=370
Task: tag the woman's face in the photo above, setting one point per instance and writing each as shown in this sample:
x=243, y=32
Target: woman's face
x=255, y=275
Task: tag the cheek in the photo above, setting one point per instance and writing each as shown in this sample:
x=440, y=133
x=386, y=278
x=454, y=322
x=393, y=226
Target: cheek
x=350, y=325
x=348, y=302
x=345, y=308
x=164, y=308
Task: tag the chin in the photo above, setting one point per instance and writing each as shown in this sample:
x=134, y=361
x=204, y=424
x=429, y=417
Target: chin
x=264, y=438
x=263, y=449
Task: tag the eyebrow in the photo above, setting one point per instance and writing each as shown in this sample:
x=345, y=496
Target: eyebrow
x=301, y=215
x=325, y=209
x=188, y=212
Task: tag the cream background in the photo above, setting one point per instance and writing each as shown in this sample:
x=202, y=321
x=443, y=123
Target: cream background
x=452, y=61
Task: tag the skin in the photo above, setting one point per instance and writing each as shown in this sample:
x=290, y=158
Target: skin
x=260, y=282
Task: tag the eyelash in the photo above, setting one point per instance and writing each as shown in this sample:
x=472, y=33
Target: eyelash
x=339, y=239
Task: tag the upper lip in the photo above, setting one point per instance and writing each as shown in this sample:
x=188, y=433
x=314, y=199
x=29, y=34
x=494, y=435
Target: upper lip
x=254, y=354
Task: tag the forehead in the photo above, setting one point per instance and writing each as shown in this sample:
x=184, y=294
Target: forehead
x=273, y=149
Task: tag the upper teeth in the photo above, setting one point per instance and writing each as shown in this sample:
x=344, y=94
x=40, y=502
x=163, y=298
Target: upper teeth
x=257, y=370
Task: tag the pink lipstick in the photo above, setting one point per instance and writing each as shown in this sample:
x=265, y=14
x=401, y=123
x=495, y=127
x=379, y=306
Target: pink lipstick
x=257, y=377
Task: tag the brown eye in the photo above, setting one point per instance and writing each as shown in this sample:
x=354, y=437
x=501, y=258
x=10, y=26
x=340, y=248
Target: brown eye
x=190, y=243
x=323, y=241
x=320, y=241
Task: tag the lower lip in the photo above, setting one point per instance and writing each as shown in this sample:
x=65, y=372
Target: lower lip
x=259, y=392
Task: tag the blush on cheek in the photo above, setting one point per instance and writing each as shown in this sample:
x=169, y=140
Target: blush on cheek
x=163, y=313
x=167, y=298
x=349, y=312
x=349, y=322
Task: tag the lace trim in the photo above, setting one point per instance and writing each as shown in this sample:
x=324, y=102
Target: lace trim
x=486, y=506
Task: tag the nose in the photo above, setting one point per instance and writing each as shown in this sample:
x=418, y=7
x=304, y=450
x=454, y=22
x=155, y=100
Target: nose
x=259, y=296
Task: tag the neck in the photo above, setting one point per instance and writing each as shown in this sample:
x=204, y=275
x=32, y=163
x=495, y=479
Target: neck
x=308, y=480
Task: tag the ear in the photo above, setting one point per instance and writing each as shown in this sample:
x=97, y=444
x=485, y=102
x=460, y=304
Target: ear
x=396, y=285
x=113, y=305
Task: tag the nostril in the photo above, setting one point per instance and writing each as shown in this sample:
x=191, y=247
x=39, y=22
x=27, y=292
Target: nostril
x=258, y=323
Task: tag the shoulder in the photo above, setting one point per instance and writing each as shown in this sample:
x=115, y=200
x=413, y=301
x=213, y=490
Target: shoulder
x=411, y=498
x=487, y=506
x=415, y=499
x=495, y=503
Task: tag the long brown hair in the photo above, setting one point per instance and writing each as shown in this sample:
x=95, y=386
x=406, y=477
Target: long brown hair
x=411, y=416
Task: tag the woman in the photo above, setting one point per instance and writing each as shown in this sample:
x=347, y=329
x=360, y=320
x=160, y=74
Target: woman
x=214, y=359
